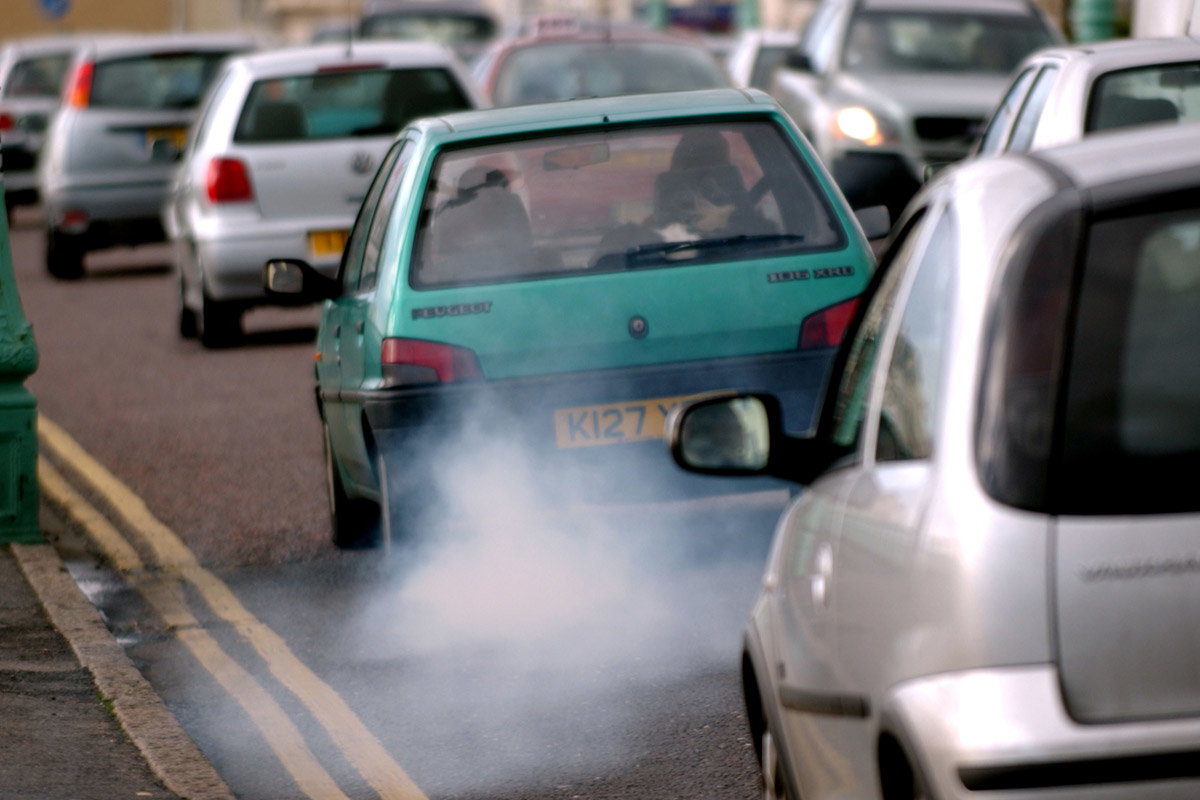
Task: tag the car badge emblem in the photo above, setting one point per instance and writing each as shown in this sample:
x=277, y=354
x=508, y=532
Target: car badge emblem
x=638, y=327
x=361, y=163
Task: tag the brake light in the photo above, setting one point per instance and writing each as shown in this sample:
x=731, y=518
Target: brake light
x=79, y=90
x=228, y=181
x=826, y=327
x=407, y=362
x=7, y=122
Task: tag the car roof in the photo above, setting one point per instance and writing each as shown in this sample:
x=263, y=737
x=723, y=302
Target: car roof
x=595, y=31
x=1024, y=7
x=117, y=45
x=390, y=52
x=1115, y=54
x=471, y=7
x=1152, y=155
x=661, y=107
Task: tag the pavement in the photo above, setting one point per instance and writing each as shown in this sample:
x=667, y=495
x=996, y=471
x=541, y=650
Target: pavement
x=78, y=721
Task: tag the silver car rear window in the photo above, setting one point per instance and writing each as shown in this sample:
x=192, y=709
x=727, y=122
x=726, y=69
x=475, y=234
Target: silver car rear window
x=342, y=103
x=37, y=76
x=157, y=81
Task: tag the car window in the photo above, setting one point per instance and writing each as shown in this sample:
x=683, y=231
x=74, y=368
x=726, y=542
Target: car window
x=1031, y=113
x=769, y=59
x=1131, y=442
x=154, y=81
x=563, y=70
x=383, y=216
x=446, y=27
x=37, y=76
x=995, y=136
x=356, y=243
x=911, y=390
x=849, y=404
x=656, y=197
x=941, y=42
x=819, y=41
x=344, y=103
x=1155, y=93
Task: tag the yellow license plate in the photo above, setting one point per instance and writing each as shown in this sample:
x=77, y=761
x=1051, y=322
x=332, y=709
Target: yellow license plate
x=613, y=423
x=176, y=136
x=327, y=243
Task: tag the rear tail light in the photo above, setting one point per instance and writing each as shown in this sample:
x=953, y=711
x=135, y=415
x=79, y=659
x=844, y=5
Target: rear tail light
x=7, y=122
x=79, y=89
x=228, y=181
x=826, y=327
x=407, y=362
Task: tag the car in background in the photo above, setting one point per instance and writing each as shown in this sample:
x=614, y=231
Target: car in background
x=1062, y=94
x=567, y=58
x=32, y=73
x=464, y=25
x=280, y=160
x=556, y=276
x=884, y=88
x=112, y=146
x=757, y=53
x=988, y=584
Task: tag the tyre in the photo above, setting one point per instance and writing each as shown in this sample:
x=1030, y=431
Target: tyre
x=64, y=255
x=189, y=327
x=355, y=522
x=220, y=323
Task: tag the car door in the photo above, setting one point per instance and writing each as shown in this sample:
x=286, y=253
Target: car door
x=819, y=702
x=339, y=368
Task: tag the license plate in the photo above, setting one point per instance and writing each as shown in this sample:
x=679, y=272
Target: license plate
x=327, y=243
x=613, y=423
x=174, y=135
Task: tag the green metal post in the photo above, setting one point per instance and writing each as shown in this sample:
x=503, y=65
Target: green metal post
x=18, y=408
x=1093, y=20
x=747, y=14
x=656, y=13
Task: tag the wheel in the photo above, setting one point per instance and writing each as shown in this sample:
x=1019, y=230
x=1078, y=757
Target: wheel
x=220, y=323
x=64, y=255
x=772, y=771
x=355, y=522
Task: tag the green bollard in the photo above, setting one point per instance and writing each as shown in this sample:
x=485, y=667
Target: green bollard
x=1093, y=20
x=18, y=408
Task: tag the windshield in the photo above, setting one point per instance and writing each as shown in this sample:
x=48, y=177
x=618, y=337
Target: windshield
x=923, y=42
x=565, y=70
x=655, y=197
x=154, y=81
x=371, y=102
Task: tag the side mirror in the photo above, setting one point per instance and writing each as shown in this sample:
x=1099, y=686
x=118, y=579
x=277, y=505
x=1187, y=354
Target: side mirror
x=297, y=280
x=798, y=59
x=876, y=221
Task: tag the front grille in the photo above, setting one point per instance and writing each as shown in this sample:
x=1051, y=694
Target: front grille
x=943, y=128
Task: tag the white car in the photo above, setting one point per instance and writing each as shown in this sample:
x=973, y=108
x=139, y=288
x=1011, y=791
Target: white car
x=990, y=583
x=757, y=53
x=1061, y=94
x=279, y=162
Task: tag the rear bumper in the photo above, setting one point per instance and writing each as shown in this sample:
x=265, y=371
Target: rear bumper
x=514, y=420
x=1006, y=732
x=233, y=265
x=128, y=213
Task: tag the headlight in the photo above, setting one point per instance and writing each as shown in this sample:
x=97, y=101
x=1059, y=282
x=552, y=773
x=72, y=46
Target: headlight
x=859, y=124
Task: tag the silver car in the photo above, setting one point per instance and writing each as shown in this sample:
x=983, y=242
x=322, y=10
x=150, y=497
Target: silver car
x=32, y=73
x=281, y=158
x=884, y=88
x=112, y=145
x=1062, y=94
x=989, y=585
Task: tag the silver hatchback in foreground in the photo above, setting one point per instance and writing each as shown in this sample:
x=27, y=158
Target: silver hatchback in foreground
x=990, y=584
x=280, y=160
x=112, y=145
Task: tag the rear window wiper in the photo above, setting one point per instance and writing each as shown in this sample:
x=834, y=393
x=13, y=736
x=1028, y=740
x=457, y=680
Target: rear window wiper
x=658, y=252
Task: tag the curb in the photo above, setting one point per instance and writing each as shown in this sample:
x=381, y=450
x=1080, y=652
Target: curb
x=170, y=752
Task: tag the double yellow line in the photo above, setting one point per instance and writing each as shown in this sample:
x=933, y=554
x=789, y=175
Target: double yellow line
x=161, y=582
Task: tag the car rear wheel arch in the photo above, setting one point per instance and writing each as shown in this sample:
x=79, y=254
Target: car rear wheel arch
x=900, y=777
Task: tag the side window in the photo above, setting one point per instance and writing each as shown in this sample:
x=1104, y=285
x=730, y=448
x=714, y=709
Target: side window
x=356, y=244
x=383, y=215
x=997, y=130
x=1027, y=121
x=850, y=402
x=911, y=390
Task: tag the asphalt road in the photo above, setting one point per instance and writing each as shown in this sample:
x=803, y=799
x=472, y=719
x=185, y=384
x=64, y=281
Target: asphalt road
x=519, y=655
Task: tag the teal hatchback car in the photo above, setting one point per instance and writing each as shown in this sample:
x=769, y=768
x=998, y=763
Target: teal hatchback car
x=559, y=276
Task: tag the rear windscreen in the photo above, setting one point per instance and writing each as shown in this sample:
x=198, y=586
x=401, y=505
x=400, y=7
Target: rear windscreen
x=1148, y=94
x=154, y=82
x=429, y=26
x=38, y=76
x=635, y=198
x=337, y=104
x=1132, y=430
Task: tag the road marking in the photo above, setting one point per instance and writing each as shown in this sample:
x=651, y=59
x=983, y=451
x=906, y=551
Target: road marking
x=356, y=743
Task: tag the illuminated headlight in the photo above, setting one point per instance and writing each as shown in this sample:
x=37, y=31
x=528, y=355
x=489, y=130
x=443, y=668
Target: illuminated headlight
x=859, y=124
